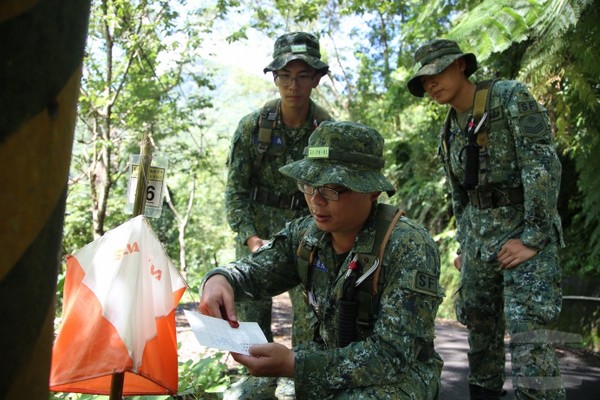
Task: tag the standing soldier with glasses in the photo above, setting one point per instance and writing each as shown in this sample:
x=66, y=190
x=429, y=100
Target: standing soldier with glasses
x=258, y=199
x=504, y=174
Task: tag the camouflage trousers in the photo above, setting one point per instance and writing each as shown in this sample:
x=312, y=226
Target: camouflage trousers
x=524, y=300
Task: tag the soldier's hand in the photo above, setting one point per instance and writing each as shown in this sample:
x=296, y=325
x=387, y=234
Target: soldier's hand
x=458, y=262
x=513, y=253
x=271, y=359
x=254, y=243
x=217, y=300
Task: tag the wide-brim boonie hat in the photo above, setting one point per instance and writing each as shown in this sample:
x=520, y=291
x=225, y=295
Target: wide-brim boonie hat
x=342, y=153
x=297, y=46
x=434, y=57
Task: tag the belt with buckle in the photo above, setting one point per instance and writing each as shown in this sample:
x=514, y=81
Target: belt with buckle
x=494, y=198
x=293, y=202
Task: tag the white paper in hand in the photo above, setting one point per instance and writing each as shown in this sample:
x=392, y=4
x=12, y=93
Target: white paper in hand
x=216, y=333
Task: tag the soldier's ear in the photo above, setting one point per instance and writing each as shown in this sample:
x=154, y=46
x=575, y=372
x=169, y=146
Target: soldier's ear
x=375, y=195
x=461, y=63
x=317, y=79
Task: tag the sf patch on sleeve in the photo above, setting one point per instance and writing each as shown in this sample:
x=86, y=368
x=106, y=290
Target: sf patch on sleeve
x=424, y=283
x=532, y=121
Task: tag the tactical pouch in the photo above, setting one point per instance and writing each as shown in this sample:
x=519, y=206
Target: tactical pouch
x=471, y=166
x=347, y=332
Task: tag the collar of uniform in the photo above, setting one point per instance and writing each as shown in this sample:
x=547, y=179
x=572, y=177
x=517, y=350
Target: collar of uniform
x=365, y=238
x=310, y=123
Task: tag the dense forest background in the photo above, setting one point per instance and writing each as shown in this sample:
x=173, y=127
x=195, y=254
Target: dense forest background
x=183, y=73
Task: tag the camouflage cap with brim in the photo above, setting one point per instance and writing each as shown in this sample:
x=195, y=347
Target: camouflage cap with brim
x=342, y=153
x=434, y=57
x=297, y=46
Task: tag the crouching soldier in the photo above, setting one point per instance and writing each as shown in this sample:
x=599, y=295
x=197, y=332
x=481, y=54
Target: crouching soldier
x=371, y=277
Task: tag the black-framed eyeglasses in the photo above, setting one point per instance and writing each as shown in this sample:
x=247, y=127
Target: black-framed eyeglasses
x=326, y=192
x=301, y=80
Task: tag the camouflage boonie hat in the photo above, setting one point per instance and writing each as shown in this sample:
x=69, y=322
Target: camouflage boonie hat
x=297, y=46
x=434, y=57
x=348, y=154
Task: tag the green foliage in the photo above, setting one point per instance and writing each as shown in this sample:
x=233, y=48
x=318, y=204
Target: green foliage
x=130, y=87
x=203, y=379
x=505, y=22
x=450, y=276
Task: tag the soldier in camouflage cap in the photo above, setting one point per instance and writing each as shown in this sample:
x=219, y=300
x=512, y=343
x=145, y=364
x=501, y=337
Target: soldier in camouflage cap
x=433, y=58
x=297, y=46
x=391, y=356
x=257, y=200
x=504, y=197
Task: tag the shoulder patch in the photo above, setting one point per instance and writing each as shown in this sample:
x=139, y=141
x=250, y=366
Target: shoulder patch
x=533, y=125
x=496, y=114
x=424, y=283
x=319, y=266
x=528, y=106
x=275, y=140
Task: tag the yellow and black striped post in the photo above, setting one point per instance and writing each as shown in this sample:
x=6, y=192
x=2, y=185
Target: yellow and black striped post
x=41, y=50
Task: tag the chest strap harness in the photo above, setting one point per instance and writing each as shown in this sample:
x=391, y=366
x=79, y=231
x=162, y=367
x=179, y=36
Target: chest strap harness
x=359, y=302
x=267, y=122
x=476, y=167
x=480, y=193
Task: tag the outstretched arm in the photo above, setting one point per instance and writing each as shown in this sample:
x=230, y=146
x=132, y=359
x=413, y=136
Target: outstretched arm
x=218, y=300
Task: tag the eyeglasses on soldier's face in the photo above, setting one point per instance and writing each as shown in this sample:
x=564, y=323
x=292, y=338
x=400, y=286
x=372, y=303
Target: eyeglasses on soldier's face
x=302, y=80
x=326, y=192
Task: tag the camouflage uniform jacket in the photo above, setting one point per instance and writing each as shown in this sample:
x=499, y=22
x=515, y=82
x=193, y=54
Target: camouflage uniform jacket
x=387, y=352
x=521, y=153
x=248, y=218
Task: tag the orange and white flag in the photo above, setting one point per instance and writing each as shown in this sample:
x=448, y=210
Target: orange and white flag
x=119, y=303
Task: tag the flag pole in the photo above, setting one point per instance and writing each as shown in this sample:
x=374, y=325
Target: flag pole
x=139, y=205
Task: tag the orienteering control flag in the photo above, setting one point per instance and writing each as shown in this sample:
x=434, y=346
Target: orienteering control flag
x=119, y=303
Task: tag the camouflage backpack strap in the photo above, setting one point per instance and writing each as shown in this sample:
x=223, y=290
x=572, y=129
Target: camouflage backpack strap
x=444, y=145
x=267, y=121
x=369, y=283
x=397, y=214
x=481, y=117
x=306, y=256
x=306, y=253
x=477, y=157
x=480, y=110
